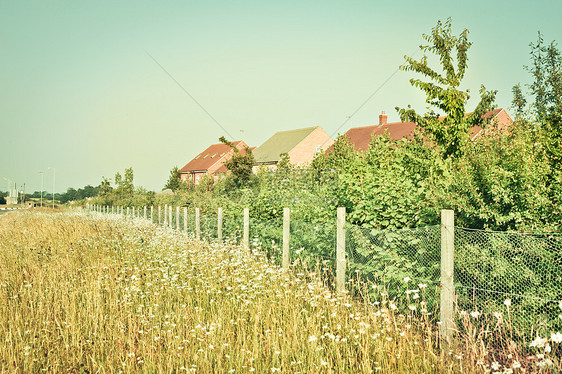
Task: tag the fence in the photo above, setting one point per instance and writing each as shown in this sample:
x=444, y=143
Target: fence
x=510, y=276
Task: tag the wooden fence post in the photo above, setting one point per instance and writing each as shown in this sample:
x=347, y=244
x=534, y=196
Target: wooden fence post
x=165, y=214
x=447, y=270
x=246, y=237
x=286, y=237
x=178, y=218
x=340, y=252
x=219, y=225
x=197, y=225
x=159, y=214
x=144, y=215
x=170, y=220
x=133, y=212
x=151, y=213
x=127, y=211
x=185, y=219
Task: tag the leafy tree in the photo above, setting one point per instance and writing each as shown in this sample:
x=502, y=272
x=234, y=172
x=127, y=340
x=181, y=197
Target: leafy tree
x=3, y=197
x=173, y=182
x=519, y=101
x=240, y=165
x=105, y=186
x=546, y=88
x=443, y=90
x=128, y=186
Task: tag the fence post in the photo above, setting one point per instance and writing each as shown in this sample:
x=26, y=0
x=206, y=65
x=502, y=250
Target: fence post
x=286, y=237
x=246, y=237
x=447, y=270
x=144, y=213
x=197, y=225
x=219, y=226
x=165, y=214
x=159, y=214
x=112, y=209
x=185, y=219
x=151, y=213
x=178, y=218
x=127, y=211
x=133, y=212
x=340, y=252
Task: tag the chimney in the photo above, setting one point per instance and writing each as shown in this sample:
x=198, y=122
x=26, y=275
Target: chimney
x=382, y=119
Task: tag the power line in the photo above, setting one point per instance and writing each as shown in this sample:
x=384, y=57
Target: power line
x=370, y=97
x=188, y=94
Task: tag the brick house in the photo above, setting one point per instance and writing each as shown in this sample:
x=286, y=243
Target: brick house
x=301, y=145
x=360, y=137
x=210, y=162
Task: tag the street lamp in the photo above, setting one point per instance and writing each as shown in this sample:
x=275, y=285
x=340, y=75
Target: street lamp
x=53, y=186
x=41, y=188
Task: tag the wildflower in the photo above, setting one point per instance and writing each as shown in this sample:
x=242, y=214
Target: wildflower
x=407, y=279
x=412, y=307
x=495, y=365
x=312, y=338
x=422, y=285
x=323, y=363
x=498, y=315
x=556, y=338
x=538, y=342
x=273, y=370
x=475, y=314
x=507, y=302
x=516, y=364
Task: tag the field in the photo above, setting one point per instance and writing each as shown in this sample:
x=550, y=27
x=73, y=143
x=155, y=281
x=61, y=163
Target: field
x=84, y=293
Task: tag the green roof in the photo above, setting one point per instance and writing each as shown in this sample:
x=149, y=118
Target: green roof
x=281, y=142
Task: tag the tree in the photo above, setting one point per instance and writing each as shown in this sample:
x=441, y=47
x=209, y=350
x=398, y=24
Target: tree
x=546, y=88
x=173, y=182
x=518, y=103
x=443, y=92
x=240, y=165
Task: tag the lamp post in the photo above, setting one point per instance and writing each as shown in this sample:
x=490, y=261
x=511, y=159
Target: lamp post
x=53, y=186
x=41, y=188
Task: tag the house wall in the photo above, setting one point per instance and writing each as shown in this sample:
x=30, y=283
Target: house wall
x=305, y=151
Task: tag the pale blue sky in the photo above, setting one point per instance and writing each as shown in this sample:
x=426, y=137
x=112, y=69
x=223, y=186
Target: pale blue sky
x=79, y=93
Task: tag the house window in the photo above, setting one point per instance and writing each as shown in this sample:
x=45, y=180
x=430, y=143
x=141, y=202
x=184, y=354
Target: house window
x=318, y=149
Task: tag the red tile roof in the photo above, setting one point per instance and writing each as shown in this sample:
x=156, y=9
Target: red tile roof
x=360, y=137
x=211, y=156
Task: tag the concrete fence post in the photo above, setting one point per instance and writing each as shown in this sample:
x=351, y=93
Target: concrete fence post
x=127, y=211
x=159, y=214
x=447, y=325
x=170, y=221
x=178, y=218
x=219, y=225
x=144, y=213
x=246, y=235
x=151, y=214
x=165, y=214
x=133, y=212
x=185, y=219
x=197, y=224
x=340, y=252
x=112, y=209
x=286, y=237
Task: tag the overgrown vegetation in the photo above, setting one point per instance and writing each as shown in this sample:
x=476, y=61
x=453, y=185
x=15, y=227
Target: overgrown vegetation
x=92, y=293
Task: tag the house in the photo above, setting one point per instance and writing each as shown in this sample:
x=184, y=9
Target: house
x=360, y=137
x=301, y=145
x=210, y=162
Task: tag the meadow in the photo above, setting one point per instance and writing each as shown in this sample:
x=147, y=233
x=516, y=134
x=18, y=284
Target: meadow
x=84, y=292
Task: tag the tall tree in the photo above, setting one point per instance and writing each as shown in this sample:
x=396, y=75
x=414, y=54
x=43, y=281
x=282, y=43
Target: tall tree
x=518, y=103
x=173, y=182
x=240, y=165
x=443, y=91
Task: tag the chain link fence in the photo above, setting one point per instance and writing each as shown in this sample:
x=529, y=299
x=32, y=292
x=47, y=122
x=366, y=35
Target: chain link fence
x=512, y=277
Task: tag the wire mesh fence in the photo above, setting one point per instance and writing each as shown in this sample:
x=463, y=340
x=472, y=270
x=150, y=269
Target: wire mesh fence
x=509, y=276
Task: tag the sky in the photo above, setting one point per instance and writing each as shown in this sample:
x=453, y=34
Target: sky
x=89, y=88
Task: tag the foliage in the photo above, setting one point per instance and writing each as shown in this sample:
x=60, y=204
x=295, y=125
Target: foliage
x=3, y=196
x=174, y=181
x=519, y=101
x=240, y=165
x=442, y=90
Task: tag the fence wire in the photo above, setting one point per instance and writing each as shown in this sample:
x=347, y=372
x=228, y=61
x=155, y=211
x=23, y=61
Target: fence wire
x=511, y=276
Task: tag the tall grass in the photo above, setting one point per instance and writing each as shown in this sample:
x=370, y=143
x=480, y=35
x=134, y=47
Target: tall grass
x=88, y=293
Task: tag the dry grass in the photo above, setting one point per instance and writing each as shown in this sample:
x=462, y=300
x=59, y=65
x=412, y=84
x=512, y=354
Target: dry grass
x=88, y=293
